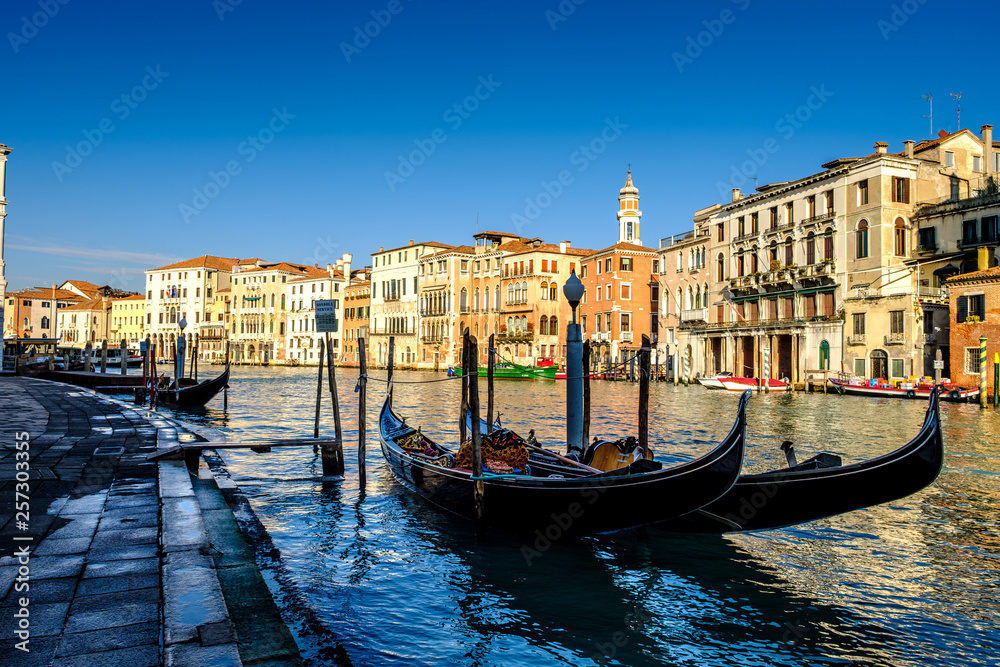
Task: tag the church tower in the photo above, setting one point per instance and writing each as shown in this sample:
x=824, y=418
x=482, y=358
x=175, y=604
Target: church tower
x=629, y=213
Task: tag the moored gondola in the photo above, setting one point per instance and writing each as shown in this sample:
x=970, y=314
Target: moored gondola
x=541, y=497
x=815, y=490
x=193, y=395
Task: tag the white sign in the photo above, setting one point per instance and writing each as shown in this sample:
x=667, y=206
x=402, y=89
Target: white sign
x=326, y=315
x=939, y=364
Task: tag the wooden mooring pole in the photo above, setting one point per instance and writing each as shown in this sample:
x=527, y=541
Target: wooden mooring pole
x=333, y=454
x=471, y=371
x=491, y=356
x=390, y=364
x=319, y=391
x=586, y=393
x=225, y=390
x=644, y=396
x=88, y=350
x=362, y=409
x=124, y=351
x=152, y=375
x=104, y=356
x=465, y=386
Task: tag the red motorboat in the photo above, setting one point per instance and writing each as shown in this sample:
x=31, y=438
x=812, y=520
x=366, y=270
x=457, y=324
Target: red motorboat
x=742, y=384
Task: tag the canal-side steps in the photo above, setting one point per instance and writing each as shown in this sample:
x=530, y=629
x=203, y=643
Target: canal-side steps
x=122, y=560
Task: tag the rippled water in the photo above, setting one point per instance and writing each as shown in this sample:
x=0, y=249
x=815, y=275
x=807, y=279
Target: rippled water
x=397, y=582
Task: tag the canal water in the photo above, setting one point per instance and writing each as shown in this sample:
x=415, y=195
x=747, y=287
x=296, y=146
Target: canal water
x=394, y=581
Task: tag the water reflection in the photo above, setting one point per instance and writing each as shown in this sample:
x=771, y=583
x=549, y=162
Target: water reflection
x=401, y=583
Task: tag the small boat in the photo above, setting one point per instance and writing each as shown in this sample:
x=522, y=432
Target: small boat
x=741, y=384
x=511, y=371
x=187, y=393
x=821, y=487
x=914, y=388
x=714, y=382
x=554, y=497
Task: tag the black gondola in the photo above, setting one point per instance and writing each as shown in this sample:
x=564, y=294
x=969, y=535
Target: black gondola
x=559, y=503
x=193, y=395
x=813, y=490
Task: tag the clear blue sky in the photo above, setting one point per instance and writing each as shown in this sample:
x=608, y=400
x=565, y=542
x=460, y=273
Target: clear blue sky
x=329, y=122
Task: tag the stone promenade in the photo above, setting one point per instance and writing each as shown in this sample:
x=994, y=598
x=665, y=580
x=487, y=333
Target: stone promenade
x=108, y=559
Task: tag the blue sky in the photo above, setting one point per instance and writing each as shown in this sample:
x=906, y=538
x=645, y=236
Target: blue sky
x=145, y=132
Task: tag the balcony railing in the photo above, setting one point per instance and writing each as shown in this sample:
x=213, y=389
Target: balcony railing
x=432, y=339
x=857, y=339
x=932, y=292
x=601, y=337
x=895, y=339
x=975, y=240
x=822, y=217
x=779, y=229
x=745, y=237
x=694, y=315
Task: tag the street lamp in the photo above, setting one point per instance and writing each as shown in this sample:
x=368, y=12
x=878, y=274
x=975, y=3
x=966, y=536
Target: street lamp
x=573, y=290
x=179, y=359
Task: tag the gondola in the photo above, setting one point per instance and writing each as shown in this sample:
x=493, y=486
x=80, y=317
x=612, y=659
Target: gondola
x=188, y=395
x=543, y=497
x=820, y=487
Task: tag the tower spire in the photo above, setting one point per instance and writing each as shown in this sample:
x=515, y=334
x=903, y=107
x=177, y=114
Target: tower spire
x=628, y=212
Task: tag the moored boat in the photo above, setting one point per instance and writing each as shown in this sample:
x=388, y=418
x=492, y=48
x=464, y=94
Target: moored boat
x=915, y=388
x=512, y=371
x=821, y=487
x=186, y=393
x=540, y=495
x=741, y=384
x=714, y=382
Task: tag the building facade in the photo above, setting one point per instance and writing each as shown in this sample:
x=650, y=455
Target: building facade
x=34, y=312
x=357, y=311
x=974, y=300
x=302, y=339
x=128, y=320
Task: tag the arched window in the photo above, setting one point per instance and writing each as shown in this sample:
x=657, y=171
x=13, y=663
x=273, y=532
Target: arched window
x=524, y=292
x=679, y=299
x=463, y=300
x=704, y=295
x=553, y=292
x=773, y=253
x=721, y=269
x=498, y=298
x=880, y=364
x=811, y=248
x=282, y=301
x=510, y=294
x=862, y=239
x=524, y=323
x=45, y=323
x=476, y=303
x=690, y=298
x=553, y=326
x=543, y=293
x=543, y=326
x=272, y=300
x=789, y=260
x=754, y=260
x=824, y=356
x=628, y=231
x=740, y=267
x=900, y=238
x=828, y=243
x=510, y=326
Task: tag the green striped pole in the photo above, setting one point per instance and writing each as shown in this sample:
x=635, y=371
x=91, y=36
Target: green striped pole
x=767, y=369
x=687, y=367
x=982, y=371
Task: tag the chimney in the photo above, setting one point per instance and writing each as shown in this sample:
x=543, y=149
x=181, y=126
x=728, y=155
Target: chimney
x=909, y=148
x=381, y=248
x=347, y=266
x=984, y=258
x=880, y=147
x=411, y=241
x=736, y=194
x=988, y=148
x=562, y=247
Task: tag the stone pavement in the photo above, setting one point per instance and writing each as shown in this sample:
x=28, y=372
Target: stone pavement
x=113, y=564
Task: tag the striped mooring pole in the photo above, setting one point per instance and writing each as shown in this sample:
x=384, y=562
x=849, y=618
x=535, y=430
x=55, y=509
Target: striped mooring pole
x=996, y=379
x=687, y=366
x=767, y=369
x=982, y=372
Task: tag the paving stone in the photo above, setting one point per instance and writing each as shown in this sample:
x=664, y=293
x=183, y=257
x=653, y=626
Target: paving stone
x=56, y=567
x=122, y=567
x=74, y=525
x=113, y=584
x=110, y=538
x=135, y=656
x=125, y=552
x=72, y=545
x=113, y=618
x=191, y=596
x=83, y=604
x=223, y=655
x=47, y=620
x=44, y=591
x=129, y=518
x=183, y=527
x=41, y=651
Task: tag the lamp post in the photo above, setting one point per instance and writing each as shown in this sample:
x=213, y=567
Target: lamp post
x=179, y=361
x=573, y=290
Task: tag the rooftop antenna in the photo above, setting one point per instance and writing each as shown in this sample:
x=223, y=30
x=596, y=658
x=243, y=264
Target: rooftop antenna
x=754, y=179
x=958, y=108
x=930, y=100
x=477, y=222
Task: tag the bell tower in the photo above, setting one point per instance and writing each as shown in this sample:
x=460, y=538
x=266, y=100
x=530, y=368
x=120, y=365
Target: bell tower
x=629, y=213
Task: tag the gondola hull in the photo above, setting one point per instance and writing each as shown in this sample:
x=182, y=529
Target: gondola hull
x=798, y=494
x=195, y=396
x=570, y=505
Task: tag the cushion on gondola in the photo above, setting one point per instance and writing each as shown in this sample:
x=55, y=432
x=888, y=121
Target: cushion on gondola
x=503, y=453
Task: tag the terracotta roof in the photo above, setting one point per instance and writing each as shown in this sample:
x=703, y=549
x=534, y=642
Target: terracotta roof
x=976, y=275
x=337, y=275
x=433, y=244
x=92, y=304
x=82, y=285
x=134, y=297
x=205, y=261
x=224, y=290
x=518, y=248
x=288, y=267
x=46, y=293
x=628, y=247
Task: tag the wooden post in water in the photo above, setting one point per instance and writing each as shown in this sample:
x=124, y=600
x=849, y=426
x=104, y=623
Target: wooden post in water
x=124, y=349
x=390, y=366
x=983, y=396
x=465, y=386
x=491, y=362
x=104, y=355
x=225, y=390
x=194, y=359
x=319, y=392
x=471, y=371
x=644, y=396
x=333, y=455
x=586, y=393
x=362, y=409
x=996, y=379
x=152, y=376
x=88, y=350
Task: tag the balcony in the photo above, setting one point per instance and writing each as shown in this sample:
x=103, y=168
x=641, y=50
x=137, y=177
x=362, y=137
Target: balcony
x=926, y=249
x=932, y=293
x=895, y=339
x=865, y=293
x=390, y=298
x=430, y=340
x=819, y=219
x=601, y=337
x=772, y=231
x=695, y=315
x=745, y=237
x=974, y=240
x=930, y=338
x=516, y=336
x=857, y=339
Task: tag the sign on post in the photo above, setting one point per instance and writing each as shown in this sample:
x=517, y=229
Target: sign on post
x=326, y=316
x=939, y=364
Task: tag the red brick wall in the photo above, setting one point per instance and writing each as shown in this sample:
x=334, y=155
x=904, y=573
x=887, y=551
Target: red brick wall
x=965, y=335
